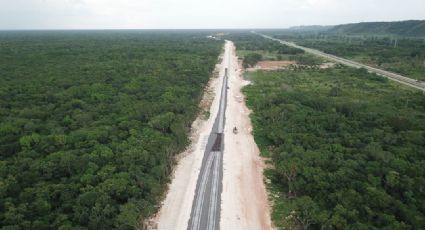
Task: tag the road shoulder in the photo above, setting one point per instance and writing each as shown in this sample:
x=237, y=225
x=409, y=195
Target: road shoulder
x=244, y=197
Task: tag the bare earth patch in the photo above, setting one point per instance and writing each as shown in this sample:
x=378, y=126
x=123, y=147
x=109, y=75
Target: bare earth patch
x=327, y=65
x=275, y=65
x=271, y=65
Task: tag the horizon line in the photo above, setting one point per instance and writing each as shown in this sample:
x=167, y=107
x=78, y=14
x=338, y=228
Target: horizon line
x=105, y=29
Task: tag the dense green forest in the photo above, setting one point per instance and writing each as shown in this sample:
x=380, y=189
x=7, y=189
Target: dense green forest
x=90, y=121
x=347, y=148
x=401, y=55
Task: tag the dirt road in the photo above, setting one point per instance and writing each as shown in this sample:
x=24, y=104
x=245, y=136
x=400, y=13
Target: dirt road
x=244, y=198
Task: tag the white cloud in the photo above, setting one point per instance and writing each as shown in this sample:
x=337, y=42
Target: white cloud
x=86, y=14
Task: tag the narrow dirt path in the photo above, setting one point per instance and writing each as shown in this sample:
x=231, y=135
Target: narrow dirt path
x=244, y=198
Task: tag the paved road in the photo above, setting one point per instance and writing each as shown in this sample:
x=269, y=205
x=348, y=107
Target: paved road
x=205, y=213
x=393, y=76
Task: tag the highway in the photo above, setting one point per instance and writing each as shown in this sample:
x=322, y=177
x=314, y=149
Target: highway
x=205, y=213
x=392, y=76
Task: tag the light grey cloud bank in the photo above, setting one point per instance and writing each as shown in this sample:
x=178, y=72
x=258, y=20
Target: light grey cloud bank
x=163, y=14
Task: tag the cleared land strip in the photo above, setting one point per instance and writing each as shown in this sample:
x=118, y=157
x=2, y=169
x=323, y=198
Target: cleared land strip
x=205, y=213
x=393, y=76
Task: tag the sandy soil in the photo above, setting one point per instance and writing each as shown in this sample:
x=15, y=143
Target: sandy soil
x=275, y=65
x=244, y=198
x=327, y=65
x=271, y=65
x=175, y=211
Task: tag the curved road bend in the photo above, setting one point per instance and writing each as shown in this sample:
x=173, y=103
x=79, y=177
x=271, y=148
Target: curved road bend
x=392, y=76
x=205, y=212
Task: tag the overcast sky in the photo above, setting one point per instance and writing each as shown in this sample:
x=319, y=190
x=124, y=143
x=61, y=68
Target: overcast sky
x=177, y=14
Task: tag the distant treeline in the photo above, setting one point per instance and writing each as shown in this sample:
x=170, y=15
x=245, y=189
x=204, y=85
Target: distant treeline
x=413, y=28
x=410, y=28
